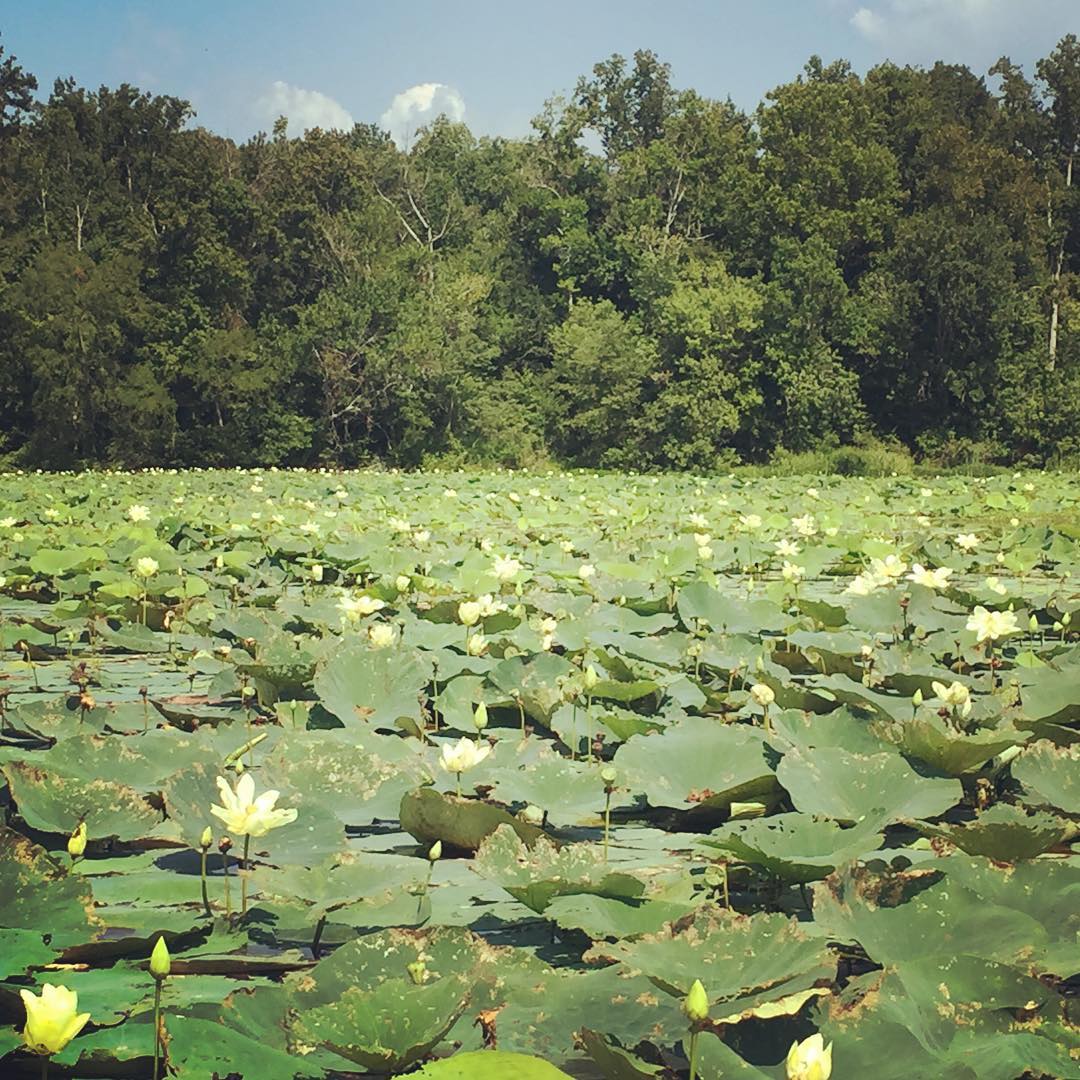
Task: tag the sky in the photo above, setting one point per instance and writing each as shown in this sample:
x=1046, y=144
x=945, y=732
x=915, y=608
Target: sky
x=400, y=63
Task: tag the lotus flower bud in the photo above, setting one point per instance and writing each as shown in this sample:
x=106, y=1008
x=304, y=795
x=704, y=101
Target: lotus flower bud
x=206, y=839
x=480, y=717
x=435, y=851
x=160, y=961
x=76, y=844
x=696, y=1004
x=1066, y=618
x=402, y=583
x=589, y=677
x=917, y=698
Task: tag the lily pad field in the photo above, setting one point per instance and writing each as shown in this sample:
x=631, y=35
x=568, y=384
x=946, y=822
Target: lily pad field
x=479, y=775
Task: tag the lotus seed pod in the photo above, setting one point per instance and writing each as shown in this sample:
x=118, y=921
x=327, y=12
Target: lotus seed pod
x=763, y=695
x=696, y=1004
x=608, y=774
x=531, y=815
x=160, y=961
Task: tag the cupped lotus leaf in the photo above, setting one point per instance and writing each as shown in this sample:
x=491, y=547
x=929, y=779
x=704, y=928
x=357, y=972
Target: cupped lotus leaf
x=54, y=802
x=797, y=848
x=879, y=788
x=543, y=1010
x=389, y=1027
x=605, y=917
x=932, y=740
x=536, y=876
x=537, y=681
x=377, y=687
x=1050, y=776
x=745, y=963
x=842, y=727
x=697, y=762
x=490, y=1065
x=1005, y=833
x=429, y=815
x=716, y=1058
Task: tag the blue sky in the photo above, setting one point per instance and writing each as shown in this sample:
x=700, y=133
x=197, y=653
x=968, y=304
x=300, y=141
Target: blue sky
x=328, y=62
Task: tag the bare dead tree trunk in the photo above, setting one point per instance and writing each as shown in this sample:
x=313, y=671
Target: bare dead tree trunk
x=1055, y=310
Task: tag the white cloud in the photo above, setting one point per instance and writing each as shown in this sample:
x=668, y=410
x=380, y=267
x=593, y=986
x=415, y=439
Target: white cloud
x=419, y=105
x=305, y=109
x=914, y=22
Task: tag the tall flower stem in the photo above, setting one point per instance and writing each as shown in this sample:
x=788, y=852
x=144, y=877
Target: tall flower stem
x=317, y=937
x=588, y=724
x=693, y=1054
x=228, y=896
x=157, y=1028
x=44, y=1068
x=607, y=820
x=202, y=875
x=247, y=870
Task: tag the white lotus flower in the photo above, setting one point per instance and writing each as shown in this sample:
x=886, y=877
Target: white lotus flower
x=887, y=569
x=138, y=512
x=506, y=568
x=805, y=525
x=586, y=571
x=862, y=585
x=468, y=613
x=954, y=696
x=146, y=567
x=930, y=579
x=750, y=521
x=792, y=573
x=381, y=635
x=968, y=541
x=991, y=625
x=463, y=755
x=787, y=548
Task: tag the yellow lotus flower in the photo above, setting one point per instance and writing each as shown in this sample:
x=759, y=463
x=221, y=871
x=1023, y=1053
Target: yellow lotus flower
x=810, y=1059
x=76, y=844
x=52, y=1020
x=991, y=625
x=243, y=814
x=381, y=635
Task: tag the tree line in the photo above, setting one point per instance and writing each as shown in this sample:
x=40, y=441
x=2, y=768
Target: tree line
x=650, y=279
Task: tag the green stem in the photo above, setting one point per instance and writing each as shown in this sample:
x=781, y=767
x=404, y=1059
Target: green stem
x=44, y=1068
x=693, y=1054
x=228, y=897
x=247, y=870
x=588, y=723
x=319, y=927
x=727, y=895
x=458, y=785
x=157, y=1028
x=607, y=822
x=424, y=891
x=202, y=875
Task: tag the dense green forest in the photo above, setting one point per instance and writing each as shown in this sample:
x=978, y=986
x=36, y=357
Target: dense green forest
x=651, y=279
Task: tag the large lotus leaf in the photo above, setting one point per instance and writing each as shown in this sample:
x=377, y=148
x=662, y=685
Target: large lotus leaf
x=842, y=727
x=878, y=788
x=932, y=740
x=716, y=1058
x=1050, y=775
x=1050, y=694
x=379, y=687
x=796, y=848
x=43, y=907
x=1005, y=833
x=544, y=1009
x=429, y=815
x=536, y=680
x=698, y=762
x=604, y=917
x=613, y=1061
x=744, y=962
x=940, y=1017
x=537, y=876
x=358, y=780
x=490, y=1065
x=728, y=614
x=909, y=916
x=54, y=802
x=391, y=1026
x=198, y=1048
x=570, y=792
x=1043, y=892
